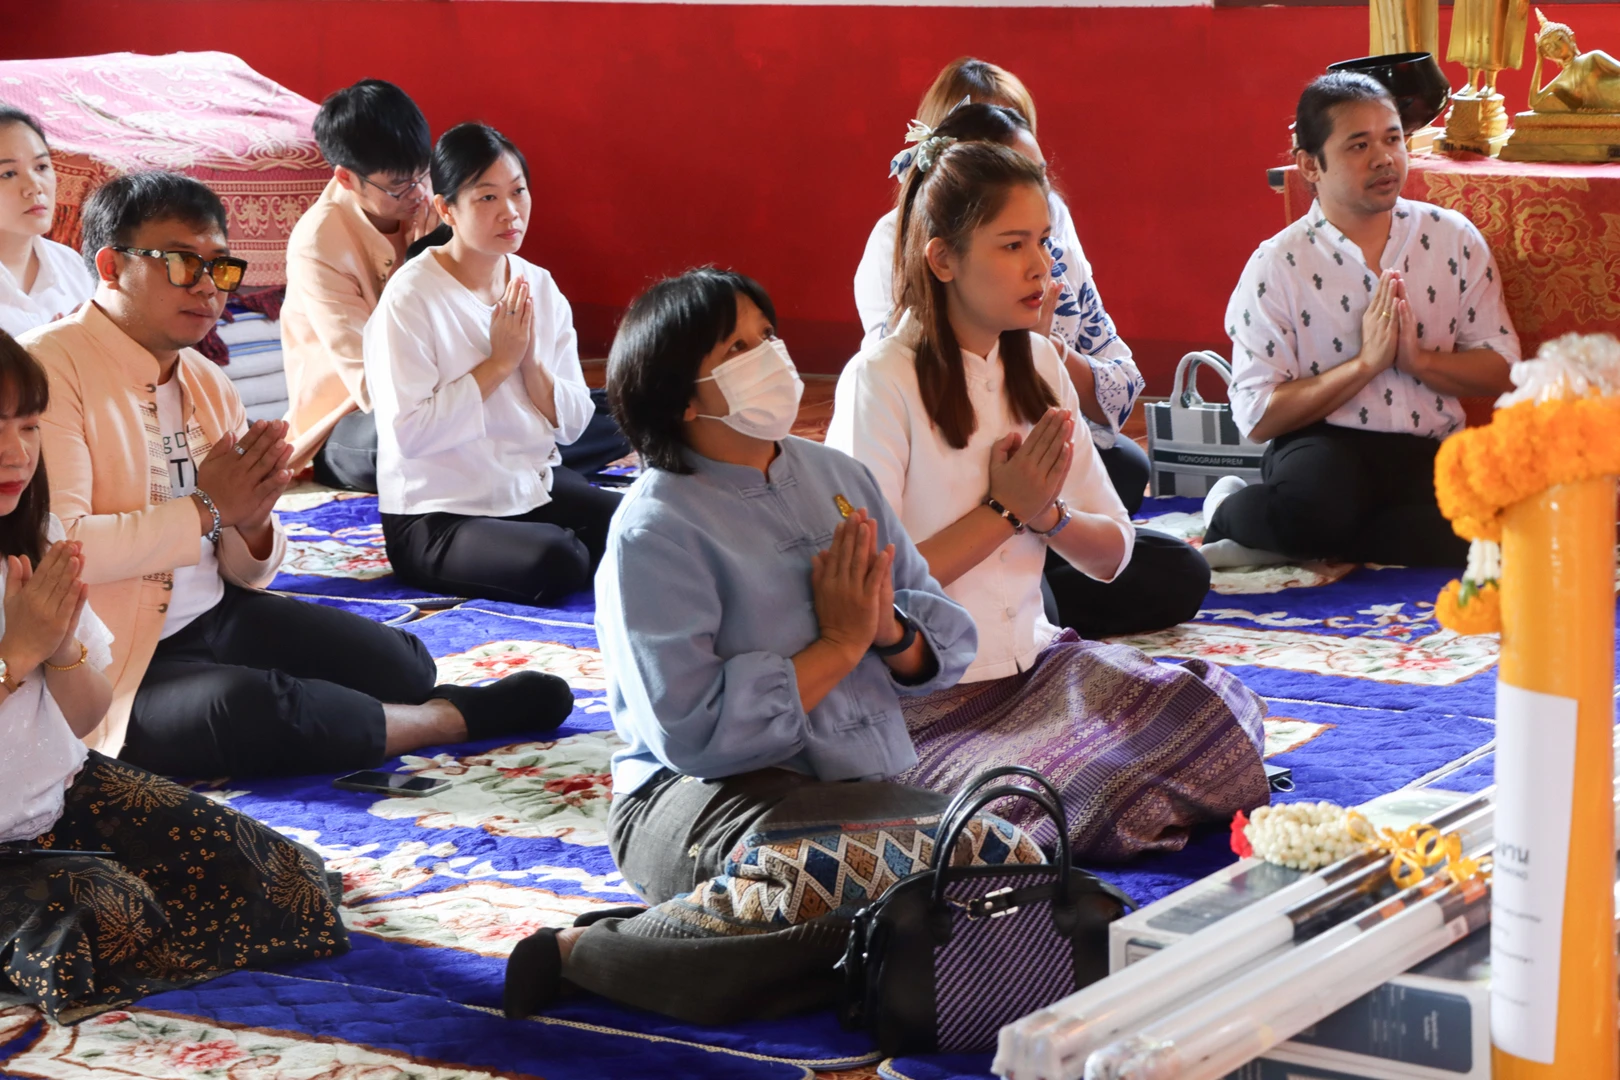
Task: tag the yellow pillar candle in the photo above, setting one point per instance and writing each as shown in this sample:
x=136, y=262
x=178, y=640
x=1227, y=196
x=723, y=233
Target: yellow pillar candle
x=1553, y=964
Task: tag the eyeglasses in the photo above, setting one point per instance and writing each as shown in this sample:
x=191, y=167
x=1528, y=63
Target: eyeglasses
x=403, y=193
x=187, y=268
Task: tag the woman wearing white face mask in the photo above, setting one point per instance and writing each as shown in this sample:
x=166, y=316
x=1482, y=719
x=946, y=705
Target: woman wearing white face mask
x=758, y=642
x=474, y=371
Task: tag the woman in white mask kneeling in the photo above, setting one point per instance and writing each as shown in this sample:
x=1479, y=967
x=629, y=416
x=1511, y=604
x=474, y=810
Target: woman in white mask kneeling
x=473, y=369
x=762, y=614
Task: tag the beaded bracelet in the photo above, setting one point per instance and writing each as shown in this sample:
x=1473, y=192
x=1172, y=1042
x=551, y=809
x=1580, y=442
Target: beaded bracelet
x=1012, y=518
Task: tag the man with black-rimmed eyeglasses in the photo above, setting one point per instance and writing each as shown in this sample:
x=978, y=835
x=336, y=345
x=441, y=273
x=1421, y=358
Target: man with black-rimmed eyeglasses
x=340, y=255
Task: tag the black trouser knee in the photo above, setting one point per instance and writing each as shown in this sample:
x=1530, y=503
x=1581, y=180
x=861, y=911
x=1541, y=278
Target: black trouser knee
x=1163, y=585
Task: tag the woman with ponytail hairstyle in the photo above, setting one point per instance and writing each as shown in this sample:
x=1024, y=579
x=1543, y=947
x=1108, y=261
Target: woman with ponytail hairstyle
x=1165, y=580
x=966, y=416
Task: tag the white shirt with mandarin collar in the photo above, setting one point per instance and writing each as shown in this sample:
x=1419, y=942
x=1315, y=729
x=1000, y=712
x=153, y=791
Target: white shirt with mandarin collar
x=879, y=419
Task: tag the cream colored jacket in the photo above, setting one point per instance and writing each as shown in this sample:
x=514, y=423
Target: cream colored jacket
x=337, y=265
x=110, y=484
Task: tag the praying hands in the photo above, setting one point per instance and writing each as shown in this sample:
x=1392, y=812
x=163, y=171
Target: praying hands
x=244, y=478
x=1027, y=471
x=42, y=609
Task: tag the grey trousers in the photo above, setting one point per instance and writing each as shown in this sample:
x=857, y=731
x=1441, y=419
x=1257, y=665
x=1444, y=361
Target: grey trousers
x=699, y=956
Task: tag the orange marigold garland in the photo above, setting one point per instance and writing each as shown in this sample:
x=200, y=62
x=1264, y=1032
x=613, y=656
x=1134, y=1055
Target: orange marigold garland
x=1550, y=435
x=1477, y=612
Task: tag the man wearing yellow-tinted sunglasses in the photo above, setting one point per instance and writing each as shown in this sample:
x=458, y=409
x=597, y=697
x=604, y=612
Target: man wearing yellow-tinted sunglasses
x=186, y=268
x=156, y=471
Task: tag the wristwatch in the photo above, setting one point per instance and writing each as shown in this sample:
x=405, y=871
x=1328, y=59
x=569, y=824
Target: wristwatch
x=906, y=639
x=13, y=684
x=1064, y=517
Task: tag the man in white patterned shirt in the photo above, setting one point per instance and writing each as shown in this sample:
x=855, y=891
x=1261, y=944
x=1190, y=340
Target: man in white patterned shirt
x=1354, y=332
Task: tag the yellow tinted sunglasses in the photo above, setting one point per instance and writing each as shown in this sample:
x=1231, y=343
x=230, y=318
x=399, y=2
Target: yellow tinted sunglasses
x=186, y=268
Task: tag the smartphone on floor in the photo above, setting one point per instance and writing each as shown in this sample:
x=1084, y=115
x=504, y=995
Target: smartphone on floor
x=388, y=783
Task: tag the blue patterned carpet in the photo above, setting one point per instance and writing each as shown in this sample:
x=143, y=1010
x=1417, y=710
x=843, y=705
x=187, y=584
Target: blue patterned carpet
x=1367, y=695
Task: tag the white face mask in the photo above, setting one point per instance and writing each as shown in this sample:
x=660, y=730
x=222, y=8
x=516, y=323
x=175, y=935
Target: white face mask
x=762, y=388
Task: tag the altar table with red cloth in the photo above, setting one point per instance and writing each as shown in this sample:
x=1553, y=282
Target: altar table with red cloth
x=1555, y=231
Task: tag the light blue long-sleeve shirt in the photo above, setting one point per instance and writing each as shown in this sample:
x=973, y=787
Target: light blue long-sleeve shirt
x=703, y=598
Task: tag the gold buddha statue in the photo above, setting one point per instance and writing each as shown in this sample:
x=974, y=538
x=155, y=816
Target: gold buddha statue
x=1403, y=26
x=1575, y=116
x=1487, y=36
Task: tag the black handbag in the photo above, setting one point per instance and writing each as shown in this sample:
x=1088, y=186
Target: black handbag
x=948, y=955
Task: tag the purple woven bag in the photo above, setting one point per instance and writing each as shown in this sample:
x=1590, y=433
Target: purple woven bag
x=950, y=954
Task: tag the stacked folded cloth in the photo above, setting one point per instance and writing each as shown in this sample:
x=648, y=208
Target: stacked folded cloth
x=251, y=337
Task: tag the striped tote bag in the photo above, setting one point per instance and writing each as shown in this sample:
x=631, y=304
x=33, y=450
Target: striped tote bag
x=1193, y=442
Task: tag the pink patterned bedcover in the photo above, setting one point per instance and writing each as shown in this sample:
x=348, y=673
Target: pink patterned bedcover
x=206, y=114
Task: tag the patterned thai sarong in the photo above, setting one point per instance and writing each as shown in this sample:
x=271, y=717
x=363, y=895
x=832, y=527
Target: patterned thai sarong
x=1140, y=751
x=779, y=878
x=195, y=889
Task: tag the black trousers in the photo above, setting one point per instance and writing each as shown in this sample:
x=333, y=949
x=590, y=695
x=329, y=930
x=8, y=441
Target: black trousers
x=602, y=443
x=1164, y=584
x=531, y=558
x=348, y=457
x=1330, y=492
x=265, y=685
x=1129, y=469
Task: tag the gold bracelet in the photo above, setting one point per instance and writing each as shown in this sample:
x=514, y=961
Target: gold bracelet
x=84, y=651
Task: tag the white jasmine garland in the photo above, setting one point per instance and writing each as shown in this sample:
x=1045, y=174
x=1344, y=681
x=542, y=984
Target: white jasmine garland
x=1484, y=565
x=1568, y=367
x=1302, y=836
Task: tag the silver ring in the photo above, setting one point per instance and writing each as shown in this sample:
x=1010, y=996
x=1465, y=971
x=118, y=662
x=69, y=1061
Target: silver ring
x=239, y=451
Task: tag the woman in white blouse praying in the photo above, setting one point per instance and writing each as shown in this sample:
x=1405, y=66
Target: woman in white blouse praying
x=40, y=280
x=1166, y=580
x=474, y=372
x=967, y=419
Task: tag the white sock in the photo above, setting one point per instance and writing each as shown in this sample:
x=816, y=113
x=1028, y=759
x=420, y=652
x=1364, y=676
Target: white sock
x=1218, y=493
x=1225, y=554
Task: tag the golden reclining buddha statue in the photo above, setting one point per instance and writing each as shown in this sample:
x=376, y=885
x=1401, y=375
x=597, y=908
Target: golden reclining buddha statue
x=1575, y=116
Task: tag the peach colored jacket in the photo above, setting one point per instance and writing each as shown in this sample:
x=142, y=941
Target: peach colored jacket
x=96, y=453
x=337, y=265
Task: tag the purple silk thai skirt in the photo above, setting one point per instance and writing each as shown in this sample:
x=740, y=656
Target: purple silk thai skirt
x=1140, y=751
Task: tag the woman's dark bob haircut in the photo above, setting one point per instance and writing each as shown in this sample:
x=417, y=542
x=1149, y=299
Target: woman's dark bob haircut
x=24, y=391
x=653, y=367
x=464, y=153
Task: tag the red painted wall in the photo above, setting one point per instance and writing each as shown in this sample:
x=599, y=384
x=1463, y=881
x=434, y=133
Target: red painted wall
x=664, y=136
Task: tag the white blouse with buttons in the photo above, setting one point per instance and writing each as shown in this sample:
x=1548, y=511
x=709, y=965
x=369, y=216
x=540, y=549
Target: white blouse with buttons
x=879, y=419
x=442, y=447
